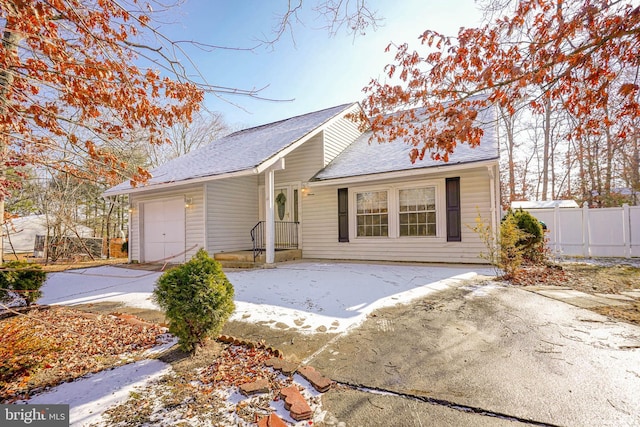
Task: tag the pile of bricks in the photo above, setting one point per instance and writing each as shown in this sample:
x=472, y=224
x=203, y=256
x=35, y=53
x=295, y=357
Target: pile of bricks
x=294, y=401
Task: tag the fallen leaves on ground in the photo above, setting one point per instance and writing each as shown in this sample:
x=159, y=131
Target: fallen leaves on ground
x=206, y=392
x=59, y=344
x=238, y=365
x=540, y=274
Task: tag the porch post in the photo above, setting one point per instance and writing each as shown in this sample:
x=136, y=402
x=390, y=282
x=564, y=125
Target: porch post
x=270, y=230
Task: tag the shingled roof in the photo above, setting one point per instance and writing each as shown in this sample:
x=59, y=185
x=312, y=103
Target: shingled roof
x=240, y=151
x=367, y=157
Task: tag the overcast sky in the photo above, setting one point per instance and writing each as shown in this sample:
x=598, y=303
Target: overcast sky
x=312, y=69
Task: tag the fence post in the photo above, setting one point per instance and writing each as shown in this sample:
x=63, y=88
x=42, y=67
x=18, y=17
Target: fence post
x=586, y=241
x=556, y=230
x=626, y=230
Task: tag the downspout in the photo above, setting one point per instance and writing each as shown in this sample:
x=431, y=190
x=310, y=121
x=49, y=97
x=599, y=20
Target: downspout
x=493, y=203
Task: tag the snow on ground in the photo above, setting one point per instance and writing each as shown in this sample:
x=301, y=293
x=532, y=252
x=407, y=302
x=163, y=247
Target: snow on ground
x=317, y=297
x=105, y=283
x=308, y=296
x=90, y=396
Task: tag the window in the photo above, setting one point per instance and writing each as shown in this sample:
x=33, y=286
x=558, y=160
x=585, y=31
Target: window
x=372, y=217
x=417, y=216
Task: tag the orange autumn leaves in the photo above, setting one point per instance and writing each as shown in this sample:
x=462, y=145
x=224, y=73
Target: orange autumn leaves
x=583, y=54
x=50, y=345
x=70, y=83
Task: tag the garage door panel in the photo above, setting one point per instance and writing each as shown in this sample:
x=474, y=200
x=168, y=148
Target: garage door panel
x=164, y=230
x=174, y=233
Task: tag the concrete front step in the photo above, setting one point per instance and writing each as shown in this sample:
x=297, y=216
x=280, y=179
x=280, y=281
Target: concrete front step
x=239, y=264
x=240, y=256
x=244, y=259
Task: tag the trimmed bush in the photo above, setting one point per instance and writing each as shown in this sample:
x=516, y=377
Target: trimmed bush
x=531, y=243
x=521, y=239
x=23, y=277
x=511, y=253
x=197, y=299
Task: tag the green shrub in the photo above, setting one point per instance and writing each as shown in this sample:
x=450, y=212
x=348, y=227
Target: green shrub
x=24, y=277
x=531, y=242
x=511, y=253
x=197, y=299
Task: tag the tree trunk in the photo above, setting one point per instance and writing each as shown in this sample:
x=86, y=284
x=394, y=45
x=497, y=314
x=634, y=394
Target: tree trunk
x=10, y=42
x=546, y=148
x=508, y=121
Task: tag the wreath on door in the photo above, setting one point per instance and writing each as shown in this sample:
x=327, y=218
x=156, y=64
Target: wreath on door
x=281, y=199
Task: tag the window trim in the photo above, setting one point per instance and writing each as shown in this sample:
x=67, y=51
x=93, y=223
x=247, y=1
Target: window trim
x=435, y=210
x=356, y=214
x=393, y=209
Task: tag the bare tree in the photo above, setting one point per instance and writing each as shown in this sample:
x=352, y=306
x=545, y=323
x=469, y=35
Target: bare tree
x=184, y=137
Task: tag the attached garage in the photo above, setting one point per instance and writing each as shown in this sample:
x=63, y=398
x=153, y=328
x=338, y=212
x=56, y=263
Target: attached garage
x=164, y=230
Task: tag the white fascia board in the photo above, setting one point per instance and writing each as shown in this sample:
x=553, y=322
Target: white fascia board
x=408, y=173
x=285, y=151
x=173, y=184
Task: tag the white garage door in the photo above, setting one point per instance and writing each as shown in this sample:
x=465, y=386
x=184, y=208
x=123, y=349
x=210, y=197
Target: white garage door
x=164, y=231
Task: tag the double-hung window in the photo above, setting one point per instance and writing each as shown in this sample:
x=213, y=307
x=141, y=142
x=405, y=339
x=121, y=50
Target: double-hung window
x=417, y=212
x=372, y=214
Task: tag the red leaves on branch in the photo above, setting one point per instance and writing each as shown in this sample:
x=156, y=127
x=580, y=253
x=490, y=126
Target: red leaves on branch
x=69, y=74
x=578, y=54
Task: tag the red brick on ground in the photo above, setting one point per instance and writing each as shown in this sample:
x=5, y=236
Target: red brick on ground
x=255, y=387
x=316, y=379
x=272, y=420
x=287, y=368
x=295, y=403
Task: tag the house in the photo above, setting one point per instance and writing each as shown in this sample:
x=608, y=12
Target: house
x=316, y=183
x=19, y=235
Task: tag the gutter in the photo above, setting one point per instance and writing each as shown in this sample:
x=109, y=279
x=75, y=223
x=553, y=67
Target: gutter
x=429, y=170
x=173, y=184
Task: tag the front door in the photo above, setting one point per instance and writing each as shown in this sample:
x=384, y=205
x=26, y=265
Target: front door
x=282, y=203
x=286, y=203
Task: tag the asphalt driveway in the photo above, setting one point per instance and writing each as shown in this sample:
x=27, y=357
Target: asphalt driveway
x=494, y=353
x=460, y=349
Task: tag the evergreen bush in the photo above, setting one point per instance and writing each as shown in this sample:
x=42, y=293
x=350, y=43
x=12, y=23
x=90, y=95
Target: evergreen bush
x=23, y=277
x=521, y=239
x=531, y=243
x=197, y=299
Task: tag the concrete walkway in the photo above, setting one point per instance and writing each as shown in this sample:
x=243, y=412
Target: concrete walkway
x=584, y=300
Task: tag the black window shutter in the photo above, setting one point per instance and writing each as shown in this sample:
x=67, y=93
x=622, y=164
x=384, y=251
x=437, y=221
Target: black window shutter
x=343, y=214
x=454, y=228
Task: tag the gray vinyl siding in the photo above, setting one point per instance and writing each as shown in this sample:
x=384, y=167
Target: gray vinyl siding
x=320, y=225
x=232, y=212
x=194, y=218
x=338, y=136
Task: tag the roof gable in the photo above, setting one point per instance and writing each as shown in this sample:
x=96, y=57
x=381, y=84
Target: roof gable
x=240, y=151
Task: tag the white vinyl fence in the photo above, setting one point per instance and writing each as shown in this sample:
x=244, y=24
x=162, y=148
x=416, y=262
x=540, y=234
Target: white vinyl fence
x=603, y=232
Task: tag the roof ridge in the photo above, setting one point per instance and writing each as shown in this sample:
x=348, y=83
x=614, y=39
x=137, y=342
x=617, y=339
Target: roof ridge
x=290, y=118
